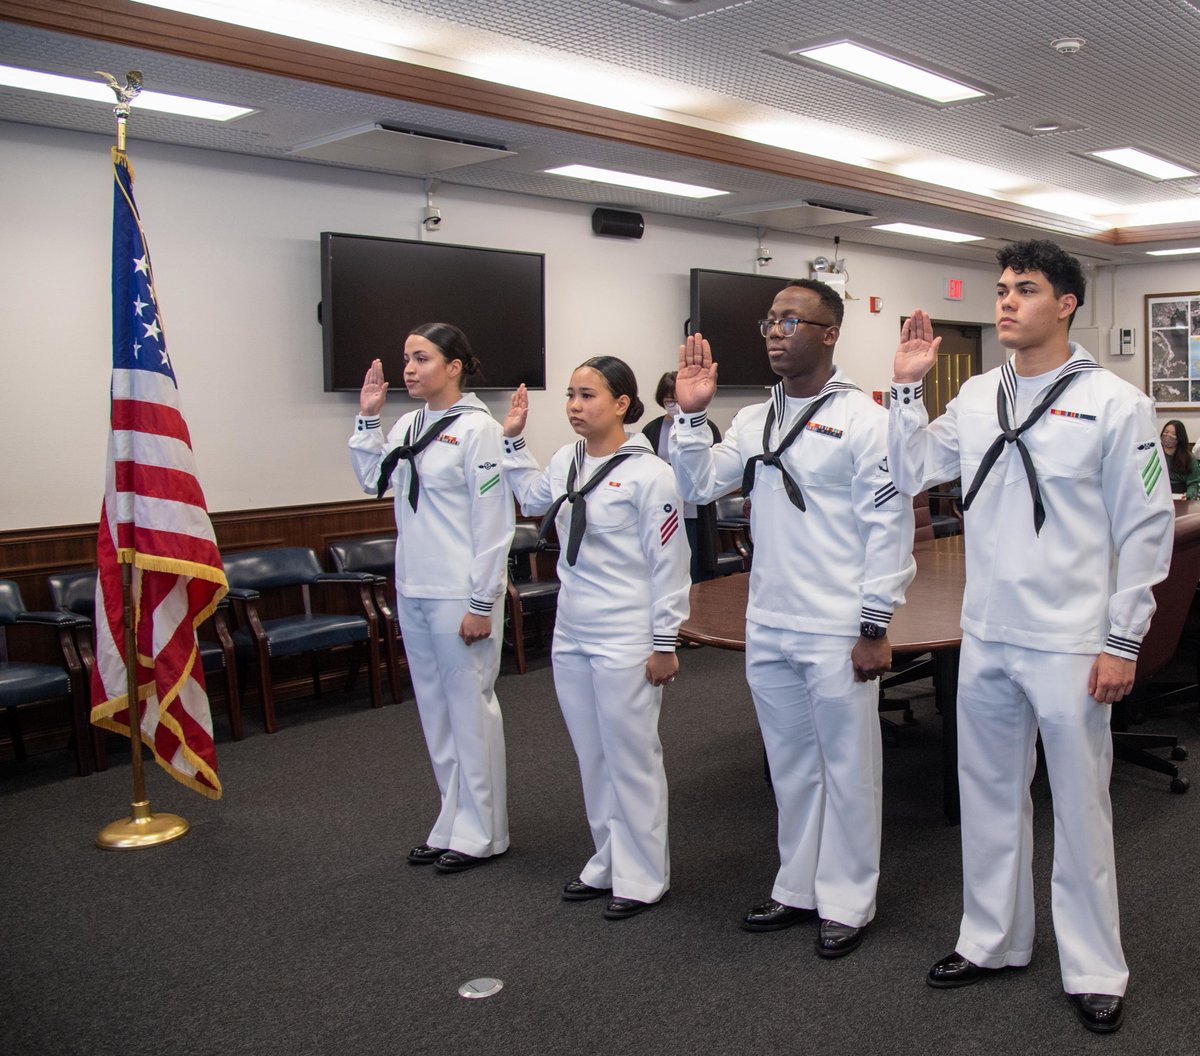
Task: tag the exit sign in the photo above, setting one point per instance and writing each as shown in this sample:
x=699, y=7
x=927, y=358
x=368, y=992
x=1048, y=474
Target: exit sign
x=954, y=290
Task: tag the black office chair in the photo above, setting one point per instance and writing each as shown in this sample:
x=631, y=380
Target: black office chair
x=23, y=683
x=286, y=574
x=529, y=592
x=1173, y=597
x=376, y=554
x=733, y=531
x=919, y=667
x=75, y=592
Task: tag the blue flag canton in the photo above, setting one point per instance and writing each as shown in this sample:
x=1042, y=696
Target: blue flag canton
x=138, y=339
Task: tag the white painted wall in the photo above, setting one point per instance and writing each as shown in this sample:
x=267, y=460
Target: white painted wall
x=235, y=249
x=1129, y=286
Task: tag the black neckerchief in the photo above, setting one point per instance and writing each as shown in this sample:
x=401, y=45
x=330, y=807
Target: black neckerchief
x=409, y=451
x=773, y=458
x=576, y=497
x=1006, y=393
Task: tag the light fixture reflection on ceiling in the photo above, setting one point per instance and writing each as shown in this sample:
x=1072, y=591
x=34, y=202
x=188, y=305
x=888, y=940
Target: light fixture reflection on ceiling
x=1069, y=203
x=303, y=21
x=97, y=91
x=1143, y=162
x=853, y=58
x=964, y=176
x=1172, y=252
x=928, y=232
x=629, y=179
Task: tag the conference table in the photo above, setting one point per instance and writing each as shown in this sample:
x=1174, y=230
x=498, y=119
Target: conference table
x=926, y=623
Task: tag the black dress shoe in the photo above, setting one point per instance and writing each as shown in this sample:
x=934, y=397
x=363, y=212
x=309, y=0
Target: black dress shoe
x=775, y=916
x=577, y=891
x=425, y=855
x=457, y=862
x=956, y=970
x=620, y=908
x=1102, y=1013
x=836, y=939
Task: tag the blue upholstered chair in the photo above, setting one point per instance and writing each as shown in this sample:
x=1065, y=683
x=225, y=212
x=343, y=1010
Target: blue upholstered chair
x=75, y=592
x=264, y=585
x=376, y=554
x=24, y=683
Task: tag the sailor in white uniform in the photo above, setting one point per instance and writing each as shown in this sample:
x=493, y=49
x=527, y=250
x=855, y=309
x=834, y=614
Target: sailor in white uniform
x=832, y=559
x=625, y=580
x=454, y=520
x=1068, y=524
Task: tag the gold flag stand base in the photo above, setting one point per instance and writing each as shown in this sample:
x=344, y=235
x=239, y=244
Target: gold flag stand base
x=143, y=829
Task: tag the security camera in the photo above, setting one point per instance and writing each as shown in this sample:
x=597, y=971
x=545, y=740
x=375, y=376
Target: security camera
x=763, y=256
x=432, y=219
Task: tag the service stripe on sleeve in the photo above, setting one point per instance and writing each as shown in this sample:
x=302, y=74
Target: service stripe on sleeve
x=670, y=526
x=1151, y=471
x=487, y=485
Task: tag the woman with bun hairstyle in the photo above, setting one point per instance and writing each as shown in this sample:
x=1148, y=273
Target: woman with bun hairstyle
x=454, y=527
x=624, y=574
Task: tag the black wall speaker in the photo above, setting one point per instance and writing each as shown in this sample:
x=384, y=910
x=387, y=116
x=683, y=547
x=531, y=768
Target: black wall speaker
x=617, y=224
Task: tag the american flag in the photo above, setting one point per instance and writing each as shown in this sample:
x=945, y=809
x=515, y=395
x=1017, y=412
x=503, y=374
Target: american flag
x=154, y=518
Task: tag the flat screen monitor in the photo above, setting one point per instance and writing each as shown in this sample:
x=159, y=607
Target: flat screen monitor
x=375, y=290
x=726, y=307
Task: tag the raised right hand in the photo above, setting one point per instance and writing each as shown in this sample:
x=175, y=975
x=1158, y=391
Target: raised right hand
x=514, y=421
x=917, y=351
x=696, y=382
x=373, y=392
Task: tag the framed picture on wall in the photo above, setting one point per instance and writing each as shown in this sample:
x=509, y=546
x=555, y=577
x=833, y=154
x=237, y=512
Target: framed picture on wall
x=1173, y=350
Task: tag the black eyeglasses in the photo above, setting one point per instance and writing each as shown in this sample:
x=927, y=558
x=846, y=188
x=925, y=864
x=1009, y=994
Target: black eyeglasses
x=787, y=326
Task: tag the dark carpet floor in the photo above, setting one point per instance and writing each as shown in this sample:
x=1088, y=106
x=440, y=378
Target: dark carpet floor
x=288, y=922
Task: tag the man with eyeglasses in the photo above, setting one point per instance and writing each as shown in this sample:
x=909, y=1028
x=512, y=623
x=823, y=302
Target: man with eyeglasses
x=832, y=559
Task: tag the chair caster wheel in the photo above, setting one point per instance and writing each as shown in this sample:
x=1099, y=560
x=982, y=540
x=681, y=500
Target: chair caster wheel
x=1180, y=785
x=1179, y=752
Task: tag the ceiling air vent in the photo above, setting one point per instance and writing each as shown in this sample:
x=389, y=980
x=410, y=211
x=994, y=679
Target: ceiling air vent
x=681, y=10
x=399, y=150
x=798, y=216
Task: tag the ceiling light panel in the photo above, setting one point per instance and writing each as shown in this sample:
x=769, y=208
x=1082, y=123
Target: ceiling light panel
x=888, y=69
x=1143, y=162
x=1172, y=252
x=99, y=92
x=635, y=180
x=937, y=233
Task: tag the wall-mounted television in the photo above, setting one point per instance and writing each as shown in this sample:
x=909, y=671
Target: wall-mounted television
x=726, y=307
x=375, y=290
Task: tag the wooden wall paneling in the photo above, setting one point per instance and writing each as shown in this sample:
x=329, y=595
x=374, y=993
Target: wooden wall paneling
x=29, y=555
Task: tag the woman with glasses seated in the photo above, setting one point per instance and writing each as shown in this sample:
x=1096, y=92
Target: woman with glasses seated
x=1182, y=466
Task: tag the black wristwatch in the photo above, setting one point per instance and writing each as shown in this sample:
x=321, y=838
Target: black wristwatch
x=871, y=630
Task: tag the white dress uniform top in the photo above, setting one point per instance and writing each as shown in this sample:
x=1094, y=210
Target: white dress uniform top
x=817, y=574
x=624, y=597
x=1038, y=607
x=451, y=558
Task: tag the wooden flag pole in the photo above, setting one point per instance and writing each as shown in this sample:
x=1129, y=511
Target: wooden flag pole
x=142, y=828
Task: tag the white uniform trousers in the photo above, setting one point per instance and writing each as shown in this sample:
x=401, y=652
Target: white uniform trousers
x=821, y=732
x=611, y=713
x=1007, y=693
x=464, y=731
